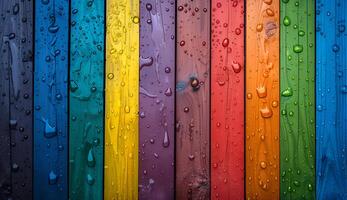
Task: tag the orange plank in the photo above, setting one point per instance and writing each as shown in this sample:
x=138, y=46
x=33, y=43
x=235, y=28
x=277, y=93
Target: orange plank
x=262, y=99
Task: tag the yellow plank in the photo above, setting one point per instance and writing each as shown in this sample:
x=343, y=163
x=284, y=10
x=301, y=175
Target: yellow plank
x=122, y=83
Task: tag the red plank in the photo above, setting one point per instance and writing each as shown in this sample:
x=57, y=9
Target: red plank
x=227, y=140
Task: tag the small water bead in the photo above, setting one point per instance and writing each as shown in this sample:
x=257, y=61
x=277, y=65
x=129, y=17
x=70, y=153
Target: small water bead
x=249, y=96
x=167, y=69
x=266, y=112
x=261, y=91
x=270, y=12
x=90, y=179
x=336, y=48
x=301, y=33
x=236, y=67
x=286, y=21
x=182, y=43
x=149, y=6
x=136, y=19
x=225, y=42
x=191, y=157
x=237, y=31
x=52, y=178
x=219, y=5
x=341, y=28
x=298, y=48
x=263, y=165
x=168, y=92
x=186, y=109
x=259, y=27
x=194, y=82
x=127, y=109
x=110, y=76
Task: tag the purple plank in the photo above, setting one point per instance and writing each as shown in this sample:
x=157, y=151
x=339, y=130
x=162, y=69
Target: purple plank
x=157, y=83
x=16, y=50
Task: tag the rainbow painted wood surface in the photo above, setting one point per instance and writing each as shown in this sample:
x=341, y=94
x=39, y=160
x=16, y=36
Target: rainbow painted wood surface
x=297, y=99
x=331, y=108
x=86, y=100
x=227, y=105
x=50, y=100
x=187, y=99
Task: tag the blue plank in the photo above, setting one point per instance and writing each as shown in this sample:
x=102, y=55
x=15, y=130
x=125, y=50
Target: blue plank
x=331, y=90
x=50, y=99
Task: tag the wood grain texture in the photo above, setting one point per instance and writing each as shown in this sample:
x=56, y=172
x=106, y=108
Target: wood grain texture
x=157, y=100
x=193, y=100
x=122, y=98
x=297, y=99
x=86, y=100
x=331, y=109
x=262, y=99
x=50, y=100
x=227, y=114
x=16, y=78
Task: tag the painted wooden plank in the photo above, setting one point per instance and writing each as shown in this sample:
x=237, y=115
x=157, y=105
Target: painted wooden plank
x=122, y=96
x=16, y=65
x=86, y=100
x=331, y=109
x=297, y=99
x=227, y=106
x=193, y=100
x=50, y=100
x=157, y=100
x=262, y=99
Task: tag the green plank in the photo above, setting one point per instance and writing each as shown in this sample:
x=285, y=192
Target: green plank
x=297, y=99
x=86, y=100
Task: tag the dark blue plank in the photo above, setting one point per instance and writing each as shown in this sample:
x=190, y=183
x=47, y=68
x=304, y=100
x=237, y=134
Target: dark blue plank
x=50, y=100
x=331, y=90
x=16, y=59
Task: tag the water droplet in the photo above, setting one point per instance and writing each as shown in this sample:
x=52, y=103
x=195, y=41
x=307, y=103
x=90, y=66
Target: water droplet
x=236, y=67
x=136, y=20
x=263, y=165
x=127, y=109
x=261, y=91
x=298, y=48
x=53, y=28
x=259, y=27
x=186, y=109
x=194, y=82
x=45, y=2
x=287, y=92
x=52, y=178
x=336, y=48
x=266, y=112
x=225, y=42
x=90, y=179
x=90, y=159
x=286, y=21
x=191, y=157
x=166, y=141
x=149, y=6
x=168, y=92
x=50, y=131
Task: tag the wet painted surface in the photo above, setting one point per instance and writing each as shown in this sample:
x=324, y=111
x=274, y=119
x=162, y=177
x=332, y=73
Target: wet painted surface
x=157, y=95
x=50, y=100
x=297, y=99
x=16, y=66
x=122, y=98
x=86, y=100
x=193, y=100
x=262, y=99
x=227, y=115
x=331, y=105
